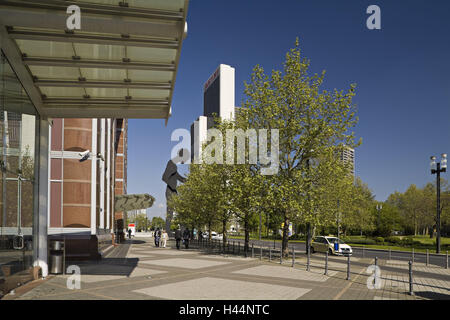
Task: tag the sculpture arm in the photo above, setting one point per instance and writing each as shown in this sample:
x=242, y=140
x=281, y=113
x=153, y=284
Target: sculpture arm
x=180, y=177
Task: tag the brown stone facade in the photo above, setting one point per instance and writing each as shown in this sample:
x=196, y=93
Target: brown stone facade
x=81, y=193
x=120, y=171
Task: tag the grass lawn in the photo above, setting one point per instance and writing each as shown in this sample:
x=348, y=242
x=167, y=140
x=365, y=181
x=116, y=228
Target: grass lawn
x=425, y=243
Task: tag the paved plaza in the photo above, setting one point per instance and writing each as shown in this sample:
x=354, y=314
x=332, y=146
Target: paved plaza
x=137, y=270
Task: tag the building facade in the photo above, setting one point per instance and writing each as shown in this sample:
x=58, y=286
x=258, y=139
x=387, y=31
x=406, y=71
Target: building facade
x=218, y=101
x=63, y=95
x=81, y=190
x=347, y=155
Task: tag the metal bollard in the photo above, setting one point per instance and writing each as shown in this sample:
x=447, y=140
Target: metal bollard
x=270, y=254
x=253, y=251
x=348, y=267
x=428, y=258
x=446, y=260
x=411, y=292
x=326, y=263
x=412, y=255
x=376, y=261
x=281, y=255
x=293, y=257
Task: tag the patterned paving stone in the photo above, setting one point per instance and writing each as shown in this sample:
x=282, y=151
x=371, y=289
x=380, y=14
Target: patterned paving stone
x=285, y=272
x=223, y=289
x=185, y=263
x=137, y=272
x=383, y=298
x=422, y=267
x=139, y=255
x=401, y=282
x=171, y=252
x=227, y=257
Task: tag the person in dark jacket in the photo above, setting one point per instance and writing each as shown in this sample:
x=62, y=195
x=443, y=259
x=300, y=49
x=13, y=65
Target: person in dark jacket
x=157, y=237
x=178, y=237
x=186, y=237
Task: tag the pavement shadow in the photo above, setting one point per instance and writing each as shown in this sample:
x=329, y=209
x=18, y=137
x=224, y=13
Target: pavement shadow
x=432, y=295
x=109, y=266
x=135, y=241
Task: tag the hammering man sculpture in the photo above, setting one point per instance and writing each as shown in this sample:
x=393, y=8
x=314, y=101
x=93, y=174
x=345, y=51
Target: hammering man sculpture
x=171, y=177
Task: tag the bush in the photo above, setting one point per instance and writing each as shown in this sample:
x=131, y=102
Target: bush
x=359, y=241
x=379, y=240
x=393, y=240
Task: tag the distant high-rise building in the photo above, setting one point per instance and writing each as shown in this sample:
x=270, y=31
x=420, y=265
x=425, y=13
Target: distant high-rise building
x=218, y=100
x=348, y=156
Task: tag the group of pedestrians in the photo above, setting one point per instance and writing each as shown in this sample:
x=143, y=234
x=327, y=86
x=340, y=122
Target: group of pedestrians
x=160, y=237
x=185, y=236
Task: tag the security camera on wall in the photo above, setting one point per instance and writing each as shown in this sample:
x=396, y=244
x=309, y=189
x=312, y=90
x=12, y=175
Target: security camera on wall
x=84, y=155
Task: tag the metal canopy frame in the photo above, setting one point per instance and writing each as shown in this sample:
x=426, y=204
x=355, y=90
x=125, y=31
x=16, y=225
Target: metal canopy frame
x=86, y=63
x=101, y=84
x=25, y=23
x=80, y=37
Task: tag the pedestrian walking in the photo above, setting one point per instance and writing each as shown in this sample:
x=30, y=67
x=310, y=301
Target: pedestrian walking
x=186, y=237
x=178, y=237
x=129, y=233
x=157, y=237
x=164, y=238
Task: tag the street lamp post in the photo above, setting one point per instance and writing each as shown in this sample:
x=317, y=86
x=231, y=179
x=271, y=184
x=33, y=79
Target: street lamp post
x=437, y=168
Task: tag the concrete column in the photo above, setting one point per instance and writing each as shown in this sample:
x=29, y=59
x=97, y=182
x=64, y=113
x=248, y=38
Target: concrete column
x=102, y=174
x=108, y=175
x=40, y=213
x=94, y=179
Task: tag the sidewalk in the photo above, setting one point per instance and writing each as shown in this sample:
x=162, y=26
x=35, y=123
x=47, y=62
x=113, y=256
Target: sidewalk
x=138, y=270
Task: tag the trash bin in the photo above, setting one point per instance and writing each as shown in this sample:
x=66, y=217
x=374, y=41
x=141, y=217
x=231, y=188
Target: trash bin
x=56, y=245
x=56, y=262
x=56, y=256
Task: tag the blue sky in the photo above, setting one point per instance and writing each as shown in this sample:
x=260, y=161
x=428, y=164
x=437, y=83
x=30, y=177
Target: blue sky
x=402, y=74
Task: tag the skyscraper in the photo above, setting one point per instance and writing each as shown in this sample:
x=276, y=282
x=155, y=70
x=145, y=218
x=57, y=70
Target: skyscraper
x=218, y=100
x=348, y=156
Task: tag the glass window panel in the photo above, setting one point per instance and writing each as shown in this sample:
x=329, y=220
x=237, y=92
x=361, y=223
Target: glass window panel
x=104, y=74
x=146, y=75
x=100, y=51
x=149, y=94
x=37, y=48
x=66, y=73
x=157, y=55
x=63, y=92
x=17, y=148
x=106, y=92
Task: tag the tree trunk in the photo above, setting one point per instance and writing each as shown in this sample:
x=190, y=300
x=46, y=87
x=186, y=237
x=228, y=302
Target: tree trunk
x=247, y=235
x=308, y=237
x=284, y=243
x=224, y=233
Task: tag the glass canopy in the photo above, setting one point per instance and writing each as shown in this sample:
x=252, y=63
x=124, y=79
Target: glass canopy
x=121, y=63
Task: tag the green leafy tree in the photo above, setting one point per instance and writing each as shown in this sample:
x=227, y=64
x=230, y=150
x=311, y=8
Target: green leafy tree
x=311, y=121
x=158, y=222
